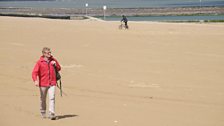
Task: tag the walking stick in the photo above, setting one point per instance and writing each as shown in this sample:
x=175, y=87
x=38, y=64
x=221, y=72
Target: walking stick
x=58, y=78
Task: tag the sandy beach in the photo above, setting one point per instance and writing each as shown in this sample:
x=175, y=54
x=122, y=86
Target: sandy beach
x=154, y=74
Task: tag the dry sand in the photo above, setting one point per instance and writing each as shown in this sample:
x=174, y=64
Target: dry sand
x=155, y=74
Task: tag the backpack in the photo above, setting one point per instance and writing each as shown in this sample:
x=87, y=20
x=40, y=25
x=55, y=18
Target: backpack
x=58, y=76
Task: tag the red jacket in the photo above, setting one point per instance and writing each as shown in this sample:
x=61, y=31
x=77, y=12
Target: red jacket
x=44, y=72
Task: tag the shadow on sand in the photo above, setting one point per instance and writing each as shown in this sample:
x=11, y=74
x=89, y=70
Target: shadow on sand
x=65, y=116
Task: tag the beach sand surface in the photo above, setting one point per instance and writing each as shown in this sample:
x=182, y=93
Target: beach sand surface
x=154, y=74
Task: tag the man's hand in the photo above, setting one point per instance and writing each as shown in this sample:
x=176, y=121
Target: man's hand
x=36, y=83
x=53, y=63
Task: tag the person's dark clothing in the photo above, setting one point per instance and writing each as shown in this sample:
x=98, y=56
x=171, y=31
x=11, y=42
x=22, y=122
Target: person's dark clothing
x=125, y=20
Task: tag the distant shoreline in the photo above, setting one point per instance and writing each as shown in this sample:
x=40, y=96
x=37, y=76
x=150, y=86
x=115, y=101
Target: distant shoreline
x=161, y=11
x=74, y=13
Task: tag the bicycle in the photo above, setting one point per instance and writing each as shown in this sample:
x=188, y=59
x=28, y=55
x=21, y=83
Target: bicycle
x=123, y=26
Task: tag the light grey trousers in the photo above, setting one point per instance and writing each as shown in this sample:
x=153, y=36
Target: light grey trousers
x=43, y=95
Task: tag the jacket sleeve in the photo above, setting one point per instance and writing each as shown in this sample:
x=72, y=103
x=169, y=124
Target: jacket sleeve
x=58, y=66
x=35, y=71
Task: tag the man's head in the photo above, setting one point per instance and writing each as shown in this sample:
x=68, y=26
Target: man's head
x=46, y=52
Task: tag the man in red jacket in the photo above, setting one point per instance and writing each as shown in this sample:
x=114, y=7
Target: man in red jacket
x=44, y=77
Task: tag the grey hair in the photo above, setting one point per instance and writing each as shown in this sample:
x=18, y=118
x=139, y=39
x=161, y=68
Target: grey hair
x=46, y=49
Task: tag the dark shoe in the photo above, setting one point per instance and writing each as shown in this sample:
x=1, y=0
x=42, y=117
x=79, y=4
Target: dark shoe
x=52, y=116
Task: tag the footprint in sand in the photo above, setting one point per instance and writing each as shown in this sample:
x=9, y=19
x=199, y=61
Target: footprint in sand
x=72, y=66
x=17, y=44
x=134, y=84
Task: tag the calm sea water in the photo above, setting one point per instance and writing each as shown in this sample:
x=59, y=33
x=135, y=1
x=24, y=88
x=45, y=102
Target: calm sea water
x=167, y=18
x=110, y=3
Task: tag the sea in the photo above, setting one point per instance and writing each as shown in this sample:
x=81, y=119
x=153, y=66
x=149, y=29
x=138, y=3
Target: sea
x=123, y=4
